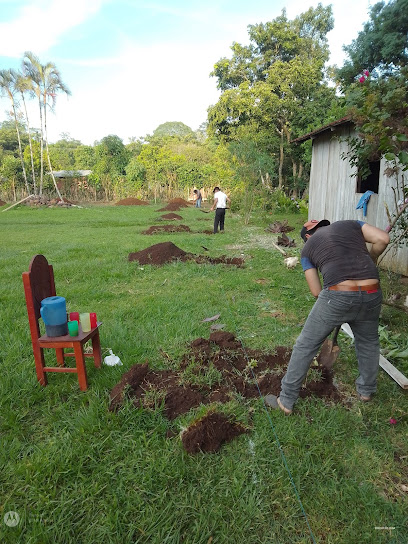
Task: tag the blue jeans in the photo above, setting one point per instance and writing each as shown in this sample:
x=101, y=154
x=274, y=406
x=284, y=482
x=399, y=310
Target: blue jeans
x=361, y=310
x=198, y=203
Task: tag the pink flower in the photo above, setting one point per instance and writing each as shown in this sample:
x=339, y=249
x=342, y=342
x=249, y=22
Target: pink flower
x=362, y=79
x=393, y=421
x=366, y=73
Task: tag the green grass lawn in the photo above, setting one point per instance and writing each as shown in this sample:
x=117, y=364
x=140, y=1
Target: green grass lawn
x=76, y=473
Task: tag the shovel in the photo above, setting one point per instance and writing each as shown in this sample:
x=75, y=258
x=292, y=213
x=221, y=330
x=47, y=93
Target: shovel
x=330, y=350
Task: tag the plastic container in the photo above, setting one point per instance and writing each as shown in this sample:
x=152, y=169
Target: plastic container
x=54, y=314
x=85, y=320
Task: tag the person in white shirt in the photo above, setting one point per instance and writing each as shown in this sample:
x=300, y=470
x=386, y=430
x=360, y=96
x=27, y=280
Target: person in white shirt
x=219, y=205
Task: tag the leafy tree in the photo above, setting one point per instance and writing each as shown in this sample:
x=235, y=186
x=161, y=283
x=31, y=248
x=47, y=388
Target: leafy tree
x=270, y=89
x=10, y=172
x=111, y=159
x=84, y=156
x=63, y=153
x=174, y=129
x=8, y=137
x=382, y=46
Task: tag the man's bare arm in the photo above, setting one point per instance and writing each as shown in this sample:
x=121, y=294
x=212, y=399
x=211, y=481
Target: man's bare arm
x=313, y=281
x=379, y=240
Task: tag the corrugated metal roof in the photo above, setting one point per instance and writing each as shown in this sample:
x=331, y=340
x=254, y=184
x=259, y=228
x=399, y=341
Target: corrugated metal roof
x=343, y=121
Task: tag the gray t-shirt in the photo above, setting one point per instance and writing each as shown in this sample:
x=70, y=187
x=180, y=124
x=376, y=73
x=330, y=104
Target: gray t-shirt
x=340, y=253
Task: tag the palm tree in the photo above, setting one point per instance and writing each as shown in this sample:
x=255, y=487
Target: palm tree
x=7, y=87
x=46, y=83
x=23, y=85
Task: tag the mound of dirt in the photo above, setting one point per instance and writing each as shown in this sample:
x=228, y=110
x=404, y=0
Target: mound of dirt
x=237, y=371
x=159, y=254
x=209, y=433
x=2, y=203
x=167, y=228
x=167, y=252
x=38, y=201
x=171, y=217
x=175, y=205
x=131, y=202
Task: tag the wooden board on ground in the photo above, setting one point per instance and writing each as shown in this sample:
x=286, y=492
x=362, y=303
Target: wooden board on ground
x=390, y=369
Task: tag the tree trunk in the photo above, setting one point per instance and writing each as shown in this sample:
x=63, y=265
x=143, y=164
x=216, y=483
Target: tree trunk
x=20, y=150
x=31, y=146
x=281, y=158
x=48, y=152
x=41, y=149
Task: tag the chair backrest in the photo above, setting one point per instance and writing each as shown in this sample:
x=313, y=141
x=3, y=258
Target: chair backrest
x=38, y=284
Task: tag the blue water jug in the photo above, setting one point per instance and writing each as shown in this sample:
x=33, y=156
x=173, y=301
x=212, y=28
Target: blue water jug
x=54, y=314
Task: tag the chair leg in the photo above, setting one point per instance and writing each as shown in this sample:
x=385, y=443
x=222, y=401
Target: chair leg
x=80, y=365
x=60, y=356
x=39, y=365
x=96, y=348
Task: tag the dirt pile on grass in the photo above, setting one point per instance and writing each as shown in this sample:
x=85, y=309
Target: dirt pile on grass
x=38, y=201
x=167, y=252
x=131, y=202
x=175, y=205
x=159, y=254
x=217, y=369
x=210, y=433
x=166, y=228
x=170, y=217
x=2, y=203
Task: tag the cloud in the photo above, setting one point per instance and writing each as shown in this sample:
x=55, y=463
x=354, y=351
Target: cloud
x=40, y=25
x=147, y=86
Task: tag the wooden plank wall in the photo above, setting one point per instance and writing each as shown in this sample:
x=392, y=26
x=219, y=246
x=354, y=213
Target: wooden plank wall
x=333, y=196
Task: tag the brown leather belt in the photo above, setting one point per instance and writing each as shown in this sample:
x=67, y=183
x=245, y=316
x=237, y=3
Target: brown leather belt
x=371, y=288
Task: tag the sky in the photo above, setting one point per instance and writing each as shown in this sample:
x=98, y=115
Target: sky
x=132, y=65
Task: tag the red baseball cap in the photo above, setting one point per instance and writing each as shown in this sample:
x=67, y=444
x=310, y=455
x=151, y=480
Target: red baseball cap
x=310, y=226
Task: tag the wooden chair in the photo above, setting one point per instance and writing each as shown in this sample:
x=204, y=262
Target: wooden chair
x=39, y=284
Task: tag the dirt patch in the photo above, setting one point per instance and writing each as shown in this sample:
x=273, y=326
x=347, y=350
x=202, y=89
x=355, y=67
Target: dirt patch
x=167, y=252
x=38, y=201
x=171, y=217
x=166, y=228
x=175, y=204
x=210, y=433
x=217, y=369
x=2, y=203
x=132, y=202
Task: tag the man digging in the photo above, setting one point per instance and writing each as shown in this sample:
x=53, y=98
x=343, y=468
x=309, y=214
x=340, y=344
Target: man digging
x=220, y=205
x=351, y=294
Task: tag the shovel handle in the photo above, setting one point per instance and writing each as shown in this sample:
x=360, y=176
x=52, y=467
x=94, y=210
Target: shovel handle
x=335, y=334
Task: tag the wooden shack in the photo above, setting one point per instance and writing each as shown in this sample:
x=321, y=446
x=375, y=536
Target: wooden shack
x=335, y=187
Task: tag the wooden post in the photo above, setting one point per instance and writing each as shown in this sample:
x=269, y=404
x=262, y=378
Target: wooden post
x=19, y=202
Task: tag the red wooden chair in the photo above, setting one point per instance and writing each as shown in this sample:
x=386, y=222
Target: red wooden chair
x=39, y=284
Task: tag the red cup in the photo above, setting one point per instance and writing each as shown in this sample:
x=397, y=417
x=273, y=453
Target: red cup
x=94, y=323
x=74, y=316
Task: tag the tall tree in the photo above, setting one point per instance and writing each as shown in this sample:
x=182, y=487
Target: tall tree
x=46, y=84
x=8, y=79
x=382, y=46
x=23, y=86
x=267, y=84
